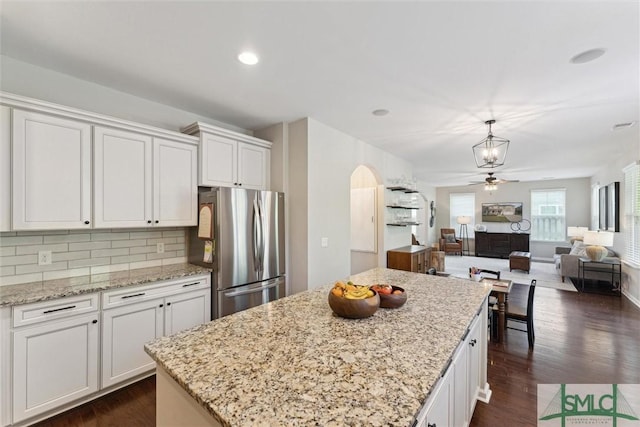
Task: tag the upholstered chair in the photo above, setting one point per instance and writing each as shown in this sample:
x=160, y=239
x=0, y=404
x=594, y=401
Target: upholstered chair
x=448, y=241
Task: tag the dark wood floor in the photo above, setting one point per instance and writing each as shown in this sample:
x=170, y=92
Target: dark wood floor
x=580, y=338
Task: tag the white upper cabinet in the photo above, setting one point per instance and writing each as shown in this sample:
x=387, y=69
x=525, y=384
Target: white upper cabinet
x=175, y=183
x=63, y=168
x=140, y=181
x=5, y=168
x=231, y=159
x=122, y=178
x=253, y=164
x=51, y=172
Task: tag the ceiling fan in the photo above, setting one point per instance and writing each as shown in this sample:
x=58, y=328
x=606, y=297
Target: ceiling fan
x=491, y=182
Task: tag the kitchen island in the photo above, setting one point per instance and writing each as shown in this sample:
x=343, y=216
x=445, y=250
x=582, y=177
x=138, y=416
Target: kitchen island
x=293, y=362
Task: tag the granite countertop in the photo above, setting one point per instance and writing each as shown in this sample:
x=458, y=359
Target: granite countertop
x=52, y=289
x=293, y=362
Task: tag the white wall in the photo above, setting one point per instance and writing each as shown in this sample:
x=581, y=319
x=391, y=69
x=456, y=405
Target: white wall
x=330, y=159
x=625, y=151
x=40, y=83
x=578, y=206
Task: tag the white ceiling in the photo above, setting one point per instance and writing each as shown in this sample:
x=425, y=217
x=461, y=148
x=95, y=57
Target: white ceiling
x=441, y=68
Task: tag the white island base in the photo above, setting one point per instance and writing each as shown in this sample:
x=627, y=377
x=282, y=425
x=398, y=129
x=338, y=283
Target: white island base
x=175, y=407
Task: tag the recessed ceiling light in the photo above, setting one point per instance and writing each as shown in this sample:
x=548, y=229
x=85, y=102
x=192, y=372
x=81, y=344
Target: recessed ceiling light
x=624, y=125
x=248, y=58
x=588, y=56
x=380, y=112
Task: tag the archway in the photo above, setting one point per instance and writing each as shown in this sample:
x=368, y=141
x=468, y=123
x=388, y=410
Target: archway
x=366, y=238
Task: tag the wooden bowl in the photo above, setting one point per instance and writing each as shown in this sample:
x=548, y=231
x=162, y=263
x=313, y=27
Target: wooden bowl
x=354, y=308
x=393, y=300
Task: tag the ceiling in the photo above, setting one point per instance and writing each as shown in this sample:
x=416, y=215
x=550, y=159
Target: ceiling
x=441, y=68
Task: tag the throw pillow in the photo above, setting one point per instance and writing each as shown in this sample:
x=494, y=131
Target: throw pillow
x=578, y=249
x=450, y=238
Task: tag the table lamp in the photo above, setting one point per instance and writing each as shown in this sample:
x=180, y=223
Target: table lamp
x=596, y=242
x=576, y=233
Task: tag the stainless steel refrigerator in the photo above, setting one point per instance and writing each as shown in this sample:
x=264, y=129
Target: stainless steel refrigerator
x=240, y=235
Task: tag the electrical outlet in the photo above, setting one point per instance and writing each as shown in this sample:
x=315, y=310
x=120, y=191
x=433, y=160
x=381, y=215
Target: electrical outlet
x=324, y=242
x=44, y=257
x=160, y=248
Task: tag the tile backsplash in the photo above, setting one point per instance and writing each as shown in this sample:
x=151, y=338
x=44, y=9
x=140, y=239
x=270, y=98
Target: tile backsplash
x=84, y=252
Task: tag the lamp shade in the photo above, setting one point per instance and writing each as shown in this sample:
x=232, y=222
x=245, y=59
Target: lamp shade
x=598, y=238
x=463, y=220
x=576, y=231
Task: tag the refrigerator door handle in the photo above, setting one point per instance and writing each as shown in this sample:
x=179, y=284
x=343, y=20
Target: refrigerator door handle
x=260, y=210
x=256, y=236
x=268, y=285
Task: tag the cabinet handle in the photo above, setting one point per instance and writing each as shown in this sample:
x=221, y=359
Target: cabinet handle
x=431, y=425
x=86, y=222
x=157, y=221
x=472, y=343
x=59, y=309
x=149, y=222
x=161, y=305
x=168, y=304
x=190, y=284
x=94, y=321
x=235, y=183
x=240, y=184
x=134, y=295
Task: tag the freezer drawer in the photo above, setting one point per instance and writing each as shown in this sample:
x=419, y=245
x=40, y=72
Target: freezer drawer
x=243, y=297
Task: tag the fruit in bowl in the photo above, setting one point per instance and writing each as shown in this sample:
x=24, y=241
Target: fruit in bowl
x=390, y=296
x=353, y=301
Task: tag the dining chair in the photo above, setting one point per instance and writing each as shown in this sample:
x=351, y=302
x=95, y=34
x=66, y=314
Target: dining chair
x=524, y=315
x=493, y=302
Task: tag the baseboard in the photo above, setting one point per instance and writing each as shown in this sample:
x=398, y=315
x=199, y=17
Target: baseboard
x=484, y=394
x=631, y=298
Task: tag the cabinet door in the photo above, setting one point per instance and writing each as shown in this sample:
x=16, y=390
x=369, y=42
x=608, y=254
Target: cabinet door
x=253, y=164
x=122, y=179
x=460, y=385
x=218, y=161
x=51, y=172
x=473, y=367
x=54, y=363
x=175, y=194
x=125, y=330
x=439, y=412
x=187, y=310
x=5, y=168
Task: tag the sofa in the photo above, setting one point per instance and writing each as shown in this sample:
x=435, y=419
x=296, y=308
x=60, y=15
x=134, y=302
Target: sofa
x=566, y=260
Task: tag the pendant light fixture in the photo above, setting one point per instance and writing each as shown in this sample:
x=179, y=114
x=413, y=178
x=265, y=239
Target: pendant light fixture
x=491, y=151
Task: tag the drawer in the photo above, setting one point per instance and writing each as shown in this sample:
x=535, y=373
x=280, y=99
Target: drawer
x=37, y=312
x=129, y=295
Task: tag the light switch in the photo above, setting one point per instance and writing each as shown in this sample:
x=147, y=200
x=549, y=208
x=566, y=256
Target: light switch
x=324, y=242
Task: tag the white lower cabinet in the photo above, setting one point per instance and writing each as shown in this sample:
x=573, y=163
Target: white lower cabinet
x=61, y=353
x=124, y=331
x=135, y=316
x=54, y=362
x=454, y=397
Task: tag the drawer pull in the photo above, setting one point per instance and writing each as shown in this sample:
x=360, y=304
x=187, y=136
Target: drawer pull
x=59, y=309
x=190, y=284
x=133, y=295
x=94, y=321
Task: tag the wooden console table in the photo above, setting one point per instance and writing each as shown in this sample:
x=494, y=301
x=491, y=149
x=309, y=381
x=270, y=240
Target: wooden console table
x=500, y=245
x=409, y=258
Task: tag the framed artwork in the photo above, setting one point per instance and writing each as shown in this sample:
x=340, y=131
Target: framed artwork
x=602, y=208
x=502, y=212
x=613, y=206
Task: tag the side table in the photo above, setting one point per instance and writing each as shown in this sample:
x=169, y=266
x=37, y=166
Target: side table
x=607, y=265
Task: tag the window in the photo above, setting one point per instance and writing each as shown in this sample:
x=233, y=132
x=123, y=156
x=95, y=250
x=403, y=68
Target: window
x=632, y=213
x=548, y=222
x=462, y=204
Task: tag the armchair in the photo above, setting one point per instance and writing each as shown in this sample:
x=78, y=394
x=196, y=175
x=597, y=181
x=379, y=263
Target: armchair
x=448, y=241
